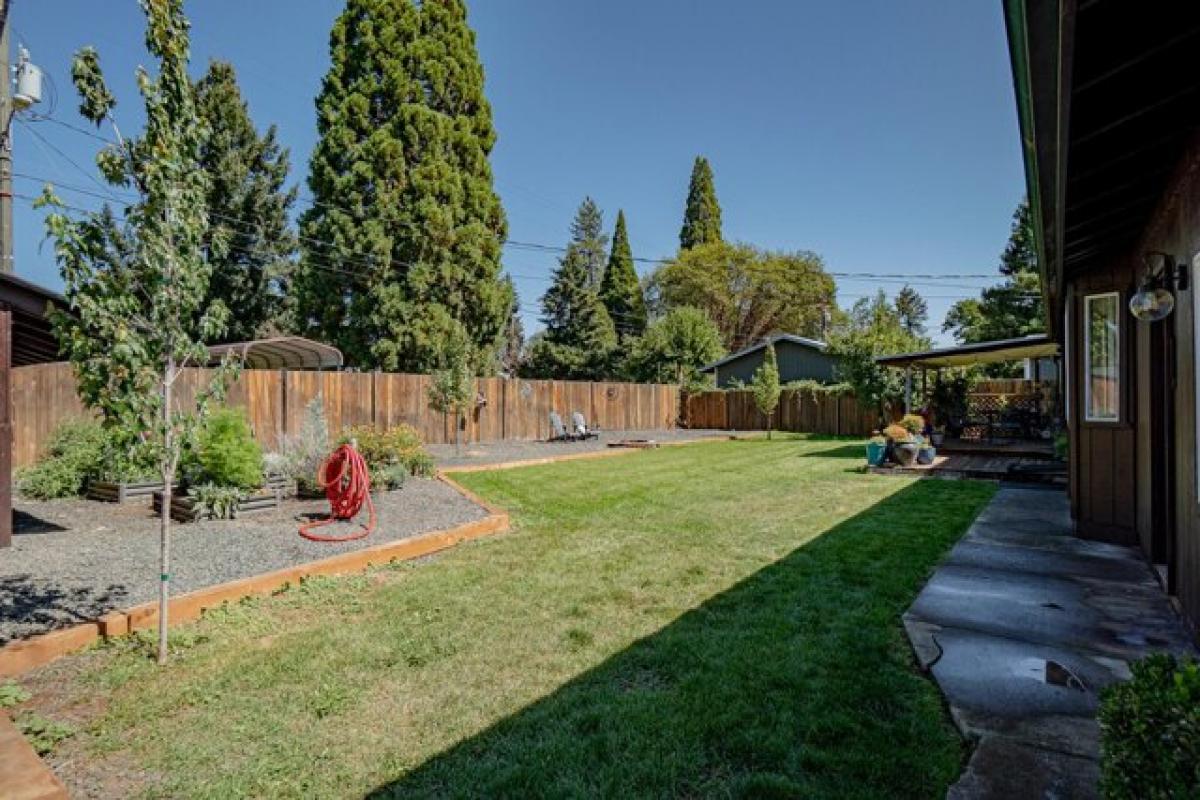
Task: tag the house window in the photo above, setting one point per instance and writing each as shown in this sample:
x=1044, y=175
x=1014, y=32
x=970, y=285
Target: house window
x=1102, y=351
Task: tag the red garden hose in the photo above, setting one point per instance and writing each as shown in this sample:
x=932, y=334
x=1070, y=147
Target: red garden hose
x=347, y=491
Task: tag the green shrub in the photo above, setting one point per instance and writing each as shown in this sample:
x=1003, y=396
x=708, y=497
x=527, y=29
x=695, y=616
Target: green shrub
x=43, y=734
x=216, y=502
x=226, y=453
x=1150, y=730
x=77, y=452
x=913, y=423
x=300, y=456
x=400, y=445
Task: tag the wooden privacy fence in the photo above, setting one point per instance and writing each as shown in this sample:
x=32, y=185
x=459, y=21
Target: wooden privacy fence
x=799, y=410
x=44, y=395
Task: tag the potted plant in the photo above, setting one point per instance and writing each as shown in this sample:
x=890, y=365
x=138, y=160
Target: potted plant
x=926, y=453
x=903, y=444
x=876, y=450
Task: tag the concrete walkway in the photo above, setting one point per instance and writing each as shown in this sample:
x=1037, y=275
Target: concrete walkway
x=1022, y=626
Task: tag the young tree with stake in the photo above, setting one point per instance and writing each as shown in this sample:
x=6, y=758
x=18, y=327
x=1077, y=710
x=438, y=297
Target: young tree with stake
x=136, y=285
x=765, y=386
x=452, y=389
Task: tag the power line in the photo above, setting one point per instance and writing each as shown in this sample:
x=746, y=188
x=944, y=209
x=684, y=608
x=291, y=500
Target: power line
x=542, y=247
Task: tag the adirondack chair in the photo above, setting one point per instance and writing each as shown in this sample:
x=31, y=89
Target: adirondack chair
x=582, y=431
x=558, y=431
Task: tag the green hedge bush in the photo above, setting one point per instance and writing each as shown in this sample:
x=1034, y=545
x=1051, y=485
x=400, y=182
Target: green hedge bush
x=77, y=452
x=226, y=453
x=1150, y=730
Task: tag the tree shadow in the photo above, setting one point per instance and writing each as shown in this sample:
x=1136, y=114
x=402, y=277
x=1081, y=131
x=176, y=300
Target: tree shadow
x=795, y=682
x=856, y=450
x=30, y=606
x=24, y=522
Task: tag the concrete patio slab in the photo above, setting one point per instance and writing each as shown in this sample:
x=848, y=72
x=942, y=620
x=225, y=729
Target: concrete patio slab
x=1022, y=627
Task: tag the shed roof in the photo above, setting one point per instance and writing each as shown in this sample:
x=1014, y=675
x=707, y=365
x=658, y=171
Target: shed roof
x=280, y=352
x=33, y=341
x=779, y=337
x=1038, y=345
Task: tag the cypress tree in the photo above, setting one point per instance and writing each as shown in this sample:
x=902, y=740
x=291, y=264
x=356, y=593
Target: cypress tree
x=702, y=217
x=402, y=246
x=620, y=290
x=247, y=209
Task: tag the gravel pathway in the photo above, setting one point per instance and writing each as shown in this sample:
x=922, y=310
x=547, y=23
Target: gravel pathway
x=73, y=560
x=499, y=452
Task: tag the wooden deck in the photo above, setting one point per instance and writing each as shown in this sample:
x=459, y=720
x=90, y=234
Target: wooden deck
x=1022, y=468
x=1014, y=448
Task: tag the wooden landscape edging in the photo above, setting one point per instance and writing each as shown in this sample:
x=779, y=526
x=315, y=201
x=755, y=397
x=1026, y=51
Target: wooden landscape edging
x=24, y=776
x=25, y=654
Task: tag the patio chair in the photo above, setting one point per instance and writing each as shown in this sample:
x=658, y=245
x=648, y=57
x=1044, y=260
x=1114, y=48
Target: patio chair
x=582, y=431
x=558, y=431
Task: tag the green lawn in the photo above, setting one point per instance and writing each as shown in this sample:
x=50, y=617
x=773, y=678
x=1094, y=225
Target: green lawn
x=713, y=620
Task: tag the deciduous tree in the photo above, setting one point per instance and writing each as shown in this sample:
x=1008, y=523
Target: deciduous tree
x=675, y=347
x=138, y=290
x=873, y=328
x=749, y=293
x=765, y=386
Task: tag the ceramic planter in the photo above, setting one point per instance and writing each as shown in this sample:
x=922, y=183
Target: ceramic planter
x=875, y=453
x=926, y=455
x=905, y=453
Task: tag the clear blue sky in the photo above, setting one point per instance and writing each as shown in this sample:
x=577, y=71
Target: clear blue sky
x=882, y=135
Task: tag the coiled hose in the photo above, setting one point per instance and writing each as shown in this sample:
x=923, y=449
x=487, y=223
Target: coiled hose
x=347, y=490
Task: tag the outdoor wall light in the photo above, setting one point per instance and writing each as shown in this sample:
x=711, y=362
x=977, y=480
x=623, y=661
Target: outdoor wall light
x=1153, y=300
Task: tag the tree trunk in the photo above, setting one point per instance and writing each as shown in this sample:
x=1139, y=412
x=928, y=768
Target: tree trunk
x=770, y=418
x=164, y=525
x=457, y=433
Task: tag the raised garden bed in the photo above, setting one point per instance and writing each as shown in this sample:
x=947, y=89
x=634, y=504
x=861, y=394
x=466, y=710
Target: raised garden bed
x=122, y=492
x=183, y=507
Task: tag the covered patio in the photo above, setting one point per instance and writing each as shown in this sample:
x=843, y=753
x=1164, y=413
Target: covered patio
x=1000, y=429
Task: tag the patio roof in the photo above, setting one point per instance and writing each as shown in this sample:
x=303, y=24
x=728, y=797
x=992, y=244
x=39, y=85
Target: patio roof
x=280, y=352
x=1036, y=346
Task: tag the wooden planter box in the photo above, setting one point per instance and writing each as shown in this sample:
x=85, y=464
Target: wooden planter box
x=110, y=492
x=183, y=508
x=282, y=486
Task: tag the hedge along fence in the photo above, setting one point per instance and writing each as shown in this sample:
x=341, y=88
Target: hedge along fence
x=43, y=396
x=800, y=410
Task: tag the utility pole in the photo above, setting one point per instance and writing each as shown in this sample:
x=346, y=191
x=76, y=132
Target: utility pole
x=6, y=115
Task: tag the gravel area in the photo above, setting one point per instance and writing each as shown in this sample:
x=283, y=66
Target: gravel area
x=73, y=560
x=500, y=452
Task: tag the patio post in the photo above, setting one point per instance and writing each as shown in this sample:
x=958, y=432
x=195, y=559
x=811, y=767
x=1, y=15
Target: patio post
x=908, y=388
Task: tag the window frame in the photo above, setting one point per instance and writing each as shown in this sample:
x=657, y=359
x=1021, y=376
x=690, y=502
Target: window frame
x=1087, y=359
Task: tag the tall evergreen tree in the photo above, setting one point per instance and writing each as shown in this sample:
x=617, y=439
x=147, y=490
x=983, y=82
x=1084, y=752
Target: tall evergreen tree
x=702, y=217
x=912, y=309
x=1012, y=308
x=402, y=244
x=579, y=339
x=620, y=289
x=512, y=352
x=247, y=208
x=587, y=231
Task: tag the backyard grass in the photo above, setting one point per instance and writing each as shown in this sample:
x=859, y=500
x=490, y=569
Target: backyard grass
x=713, y=620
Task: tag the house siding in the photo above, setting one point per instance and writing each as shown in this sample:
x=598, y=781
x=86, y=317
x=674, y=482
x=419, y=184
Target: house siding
x=796, y=362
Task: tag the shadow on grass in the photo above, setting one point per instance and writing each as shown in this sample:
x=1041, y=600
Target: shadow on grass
x=856, y=450
x=796, y=682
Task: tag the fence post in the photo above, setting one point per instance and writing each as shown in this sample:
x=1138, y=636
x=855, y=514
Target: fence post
x=837, y=405
x=283, y=402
